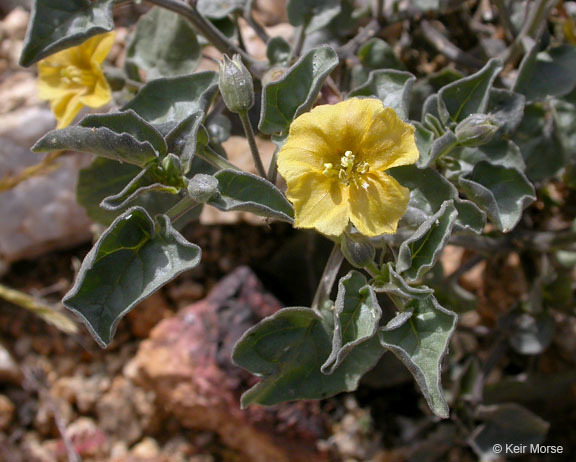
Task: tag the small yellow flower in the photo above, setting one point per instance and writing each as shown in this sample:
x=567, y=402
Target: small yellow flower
x=334, y=162
x=73, y=78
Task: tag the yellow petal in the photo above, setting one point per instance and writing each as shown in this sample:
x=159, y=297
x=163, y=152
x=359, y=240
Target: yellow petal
x=99, y=46
x=101, y=94
x=388, y=141
x=66, y=108
x=376, y=209
x=319, y=202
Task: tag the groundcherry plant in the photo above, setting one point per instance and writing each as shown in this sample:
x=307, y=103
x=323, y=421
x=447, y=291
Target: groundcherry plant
x=389, y=167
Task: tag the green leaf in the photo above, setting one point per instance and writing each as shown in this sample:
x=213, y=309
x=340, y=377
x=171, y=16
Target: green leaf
x=565, y=119
x=391, y=87
x=548, y=73
x=430, y=106
x=428, y=191
x=419, y=253
x=142, y=183
x=167, y=102
x=419, y=337
x=101, y=179
x=470, y=217
x=356, y=317
x=506, y=424
x=250, y=193
x=132, y=259
x=539, y=143
x=391, y=283
x=469, y=95
x=163, y=45
x=441, y=146
x=278, y=50
x=104, y=178
x=502, y=192
x=295, y=93
x=506, y=109
x=124, y=137
x=374, y=54
x=219, y=9
x=184, y=139
x=59, y=24
x=131, y=123
x=499, y=152
x=314, y=13
x=424, y=139
x=287, y=351
x=532, y=334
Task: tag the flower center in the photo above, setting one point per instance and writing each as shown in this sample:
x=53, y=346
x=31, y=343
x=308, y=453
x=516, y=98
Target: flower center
x=348, y=171
x=73, y=75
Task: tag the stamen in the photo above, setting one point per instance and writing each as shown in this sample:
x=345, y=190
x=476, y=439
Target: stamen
x=348, y=171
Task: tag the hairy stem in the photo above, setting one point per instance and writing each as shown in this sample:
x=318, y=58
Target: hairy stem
x=328, y=277
x=532, y=28
x=252, y=142
x=208, y=30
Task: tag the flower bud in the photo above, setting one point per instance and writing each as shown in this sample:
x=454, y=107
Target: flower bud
x=172, y=170
x=475, y=130
x=236, y=85
x=202, y=187
x=358, y=251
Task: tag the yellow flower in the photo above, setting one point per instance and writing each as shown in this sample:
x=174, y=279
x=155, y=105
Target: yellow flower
x=73, y=78
x=334, y=164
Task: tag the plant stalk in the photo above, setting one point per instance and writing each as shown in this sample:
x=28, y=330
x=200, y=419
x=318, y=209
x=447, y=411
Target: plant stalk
x=249, y=131
x=328, y=277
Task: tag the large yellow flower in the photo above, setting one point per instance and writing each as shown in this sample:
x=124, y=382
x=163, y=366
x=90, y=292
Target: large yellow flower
x=334, y=164
x=73, y=78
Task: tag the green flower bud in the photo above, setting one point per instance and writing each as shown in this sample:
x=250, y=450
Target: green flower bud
x=475, y=130
x=358, y=251
x=202, y=187
x=236, y=85
x=170, y=171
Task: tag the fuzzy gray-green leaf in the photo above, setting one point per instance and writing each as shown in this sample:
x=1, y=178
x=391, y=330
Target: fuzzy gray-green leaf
x=59, y=24
x=502, y=192
x=391, y=87
x=419, y=253
x=286, y=350
x=250, y=193
x=295, y=93
x=164, y=45
x=133, y=258
x=356, y=317
x=419, y=337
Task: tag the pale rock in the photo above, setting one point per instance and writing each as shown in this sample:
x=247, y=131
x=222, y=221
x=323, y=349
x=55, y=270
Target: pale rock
x=125, y=411
x=82, y=391
x=14, y=24
x=87, y=439
x=9, y=369
x=146, y=449
x=41, y=213
x=6, y=412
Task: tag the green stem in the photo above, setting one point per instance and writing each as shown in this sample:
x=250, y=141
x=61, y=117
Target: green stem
x=252, y=142
x=181, y=208
x=273, y=167
x=297, y=49
x=208, y=155
x=531, y=29
x=208, y=30
x=328, y=277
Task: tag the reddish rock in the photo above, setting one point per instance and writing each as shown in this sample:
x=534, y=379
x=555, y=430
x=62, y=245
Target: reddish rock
x=186, y=361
